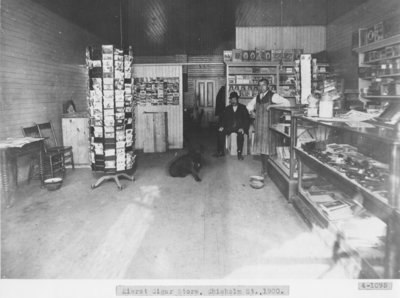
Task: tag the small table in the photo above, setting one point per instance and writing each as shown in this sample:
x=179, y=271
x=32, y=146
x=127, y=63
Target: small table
x=10, y=150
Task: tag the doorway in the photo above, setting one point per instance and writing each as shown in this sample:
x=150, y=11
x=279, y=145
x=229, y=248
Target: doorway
x=205, y=94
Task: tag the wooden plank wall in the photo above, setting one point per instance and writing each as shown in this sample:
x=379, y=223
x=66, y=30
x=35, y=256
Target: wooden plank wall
x=42, y=66
x=196, y=72
x=339, y=33
x=310, y=38
x=174, y=113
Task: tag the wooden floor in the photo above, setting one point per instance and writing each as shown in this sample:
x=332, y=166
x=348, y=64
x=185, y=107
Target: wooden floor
x=161, y=227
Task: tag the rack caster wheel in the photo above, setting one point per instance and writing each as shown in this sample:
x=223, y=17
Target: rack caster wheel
x=121, y=187
x=92, y=186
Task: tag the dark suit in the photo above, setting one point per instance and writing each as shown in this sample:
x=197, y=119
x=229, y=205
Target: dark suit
x=232, y=121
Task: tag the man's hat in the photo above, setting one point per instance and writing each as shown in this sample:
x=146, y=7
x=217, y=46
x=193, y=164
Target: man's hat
x=233, y=94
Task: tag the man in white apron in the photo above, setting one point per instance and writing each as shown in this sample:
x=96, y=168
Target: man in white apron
x=260, y=106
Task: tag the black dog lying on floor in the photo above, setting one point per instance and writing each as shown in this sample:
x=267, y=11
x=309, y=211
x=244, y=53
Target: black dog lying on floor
x=188, y=164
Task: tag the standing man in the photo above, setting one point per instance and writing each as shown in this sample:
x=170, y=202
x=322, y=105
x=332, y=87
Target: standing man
x=235, y=118
x=220, y=102
x=260, y=106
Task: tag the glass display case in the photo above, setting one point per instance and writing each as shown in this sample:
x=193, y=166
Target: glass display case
x=282, y=163
x=348, y=190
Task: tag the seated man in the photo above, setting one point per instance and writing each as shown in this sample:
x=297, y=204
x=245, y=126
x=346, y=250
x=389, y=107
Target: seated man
x=235, y=118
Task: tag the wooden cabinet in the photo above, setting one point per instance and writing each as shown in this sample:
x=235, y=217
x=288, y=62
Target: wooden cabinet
x=348, y=191
x=75, y=132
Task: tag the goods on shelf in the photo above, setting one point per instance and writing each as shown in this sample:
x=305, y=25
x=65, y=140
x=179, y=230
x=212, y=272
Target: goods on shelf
x=383, y=71
x=336, y=209
x=243, y=78
x=267, y=55
x=367, y=172
x=358, y=227
x=282, y=127
x=379, y=70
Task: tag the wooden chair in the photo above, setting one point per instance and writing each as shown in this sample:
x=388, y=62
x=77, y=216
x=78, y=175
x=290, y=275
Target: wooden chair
x=46, y=130
x=53, y=162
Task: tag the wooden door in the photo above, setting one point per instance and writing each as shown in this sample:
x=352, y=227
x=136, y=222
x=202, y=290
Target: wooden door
x=205, y=100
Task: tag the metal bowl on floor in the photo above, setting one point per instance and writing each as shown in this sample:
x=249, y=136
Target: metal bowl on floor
x=53, y=183
x=257, y=178
x=257, y=182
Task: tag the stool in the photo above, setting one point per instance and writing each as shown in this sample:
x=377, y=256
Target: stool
x=231, y=144
x=251, y=145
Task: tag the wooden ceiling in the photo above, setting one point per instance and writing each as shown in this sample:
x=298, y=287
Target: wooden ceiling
x=193, y=27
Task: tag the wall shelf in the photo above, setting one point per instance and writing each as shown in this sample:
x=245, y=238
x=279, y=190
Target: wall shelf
x=364, y=83
x=254, y=71
x=382, y=97
x=381, y=59
x=257, y=64
x=379, y=44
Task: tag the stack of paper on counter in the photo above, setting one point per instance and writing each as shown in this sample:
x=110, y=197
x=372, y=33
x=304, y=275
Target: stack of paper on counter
x=322, y=198
x=17, y=142
x=336, y=210
x=363, y=232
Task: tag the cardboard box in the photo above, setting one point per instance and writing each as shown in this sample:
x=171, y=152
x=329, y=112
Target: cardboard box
x=245, y=55
x=370, y=35
x=276, y=55
x=237, y=55
x=355, y=39
x=288, y=55
x=266, y=55
x=252, y=55
x=227, y=56
x=297, y=53
x=362, y=36
x=389, y=52
x=258, y=54
x=391, y=26
x=379, y=31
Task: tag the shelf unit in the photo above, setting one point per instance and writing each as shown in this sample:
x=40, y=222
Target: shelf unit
x=243, y=78
x=318, y=76
x=364, y=173
x=382, y=97
x=383, y=70
x=282, y=162
x=111, y=111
